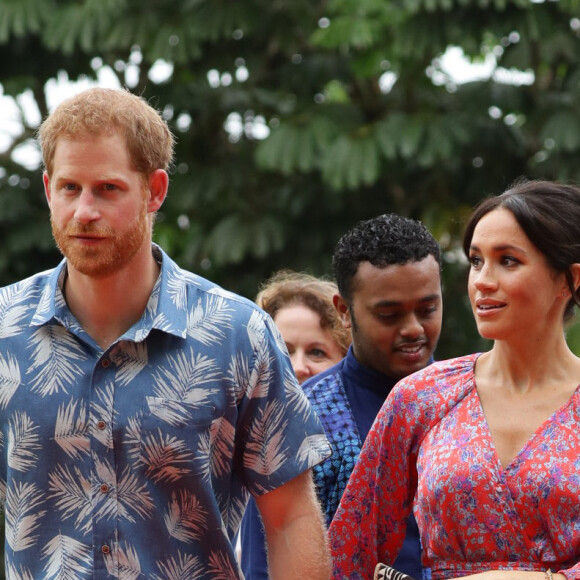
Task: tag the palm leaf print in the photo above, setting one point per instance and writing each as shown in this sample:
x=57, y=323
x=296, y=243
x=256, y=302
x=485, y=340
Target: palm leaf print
x=255, y=330
x=180, y=567
x=261, y=377
x=153, y=301
x=203, y=455
x=264, y=453
x=276, y=334
x=13, y=308
x=12, y=574
x=221, y=567
x=70, y=431
x=127, y=565
x=234, y=509
x=68, y=559
x=72, y=492
x=164, y=455
x=312, y=448
x=23, y=442
x=130, y=360
x=296, y=396
x=22, y=515
x=45, y=300
x=104, y=504
x=239, y=376
x=54, y=357
x=177, y=290
x=9, y=378
x=133, y=438
x=185, y=518
x=207, y=322
x=223, y=435
x=133, y=496
x=183, y=380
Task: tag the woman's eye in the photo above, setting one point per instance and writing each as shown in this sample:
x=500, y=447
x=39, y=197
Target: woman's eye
x=509, y=261
x=316, y=352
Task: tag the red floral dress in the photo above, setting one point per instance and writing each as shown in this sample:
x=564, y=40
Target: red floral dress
x=431, y=438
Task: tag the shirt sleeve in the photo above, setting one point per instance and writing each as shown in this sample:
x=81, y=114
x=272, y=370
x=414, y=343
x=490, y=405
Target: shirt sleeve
x=281, y=434
x=370, y=523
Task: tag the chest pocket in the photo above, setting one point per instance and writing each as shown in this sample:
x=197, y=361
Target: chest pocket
x=175, y=439
x=178, y=414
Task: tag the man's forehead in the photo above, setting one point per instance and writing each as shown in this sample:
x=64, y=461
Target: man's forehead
x=427, y=267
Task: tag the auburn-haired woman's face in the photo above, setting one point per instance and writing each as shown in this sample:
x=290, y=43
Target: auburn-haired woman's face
x=312, y=349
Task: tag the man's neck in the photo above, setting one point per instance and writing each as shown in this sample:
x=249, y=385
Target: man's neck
x=107, y=307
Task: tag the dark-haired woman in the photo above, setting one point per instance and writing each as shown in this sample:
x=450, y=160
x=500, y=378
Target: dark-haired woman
x=488, y=444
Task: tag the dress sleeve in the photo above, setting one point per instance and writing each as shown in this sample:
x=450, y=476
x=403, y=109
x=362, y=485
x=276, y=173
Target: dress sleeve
x=572, y=573
x=370, y=523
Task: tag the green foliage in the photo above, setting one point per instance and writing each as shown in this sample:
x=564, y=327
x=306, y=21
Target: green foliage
x=296, y=119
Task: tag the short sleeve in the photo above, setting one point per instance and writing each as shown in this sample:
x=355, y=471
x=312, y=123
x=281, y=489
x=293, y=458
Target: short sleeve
x=281, y=434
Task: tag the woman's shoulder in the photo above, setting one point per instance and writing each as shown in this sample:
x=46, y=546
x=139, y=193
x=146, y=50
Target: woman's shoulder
x=451, y=377
x=449, y=368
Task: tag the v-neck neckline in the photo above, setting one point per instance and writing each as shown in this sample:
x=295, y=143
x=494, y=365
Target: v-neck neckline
x=529, y=443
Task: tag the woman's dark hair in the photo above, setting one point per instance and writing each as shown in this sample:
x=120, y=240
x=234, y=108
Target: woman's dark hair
x=549, y=214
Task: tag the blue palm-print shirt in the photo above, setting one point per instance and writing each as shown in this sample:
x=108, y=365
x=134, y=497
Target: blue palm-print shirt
x=137, y=461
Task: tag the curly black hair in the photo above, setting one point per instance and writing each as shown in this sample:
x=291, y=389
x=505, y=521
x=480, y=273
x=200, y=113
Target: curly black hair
x=383, y=241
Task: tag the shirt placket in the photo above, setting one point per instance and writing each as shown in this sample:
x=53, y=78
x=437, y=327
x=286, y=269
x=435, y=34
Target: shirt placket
x=103, y=474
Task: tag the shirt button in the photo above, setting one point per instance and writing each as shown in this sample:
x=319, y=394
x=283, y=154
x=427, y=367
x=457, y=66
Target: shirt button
x=104, y=488
x=105, y=549
x=105, y=363
x=101, y=425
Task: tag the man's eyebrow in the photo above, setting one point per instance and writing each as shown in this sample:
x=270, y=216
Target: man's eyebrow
x=424, y=299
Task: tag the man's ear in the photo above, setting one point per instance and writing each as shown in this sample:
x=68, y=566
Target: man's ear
x=46, y=181
x=158, y=185
x=343, y=310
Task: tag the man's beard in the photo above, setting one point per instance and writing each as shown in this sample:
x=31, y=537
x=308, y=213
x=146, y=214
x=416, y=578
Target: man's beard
x=107, y=256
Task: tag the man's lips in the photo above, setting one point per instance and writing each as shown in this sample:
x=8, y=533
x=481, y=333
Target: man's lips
x=410, y=348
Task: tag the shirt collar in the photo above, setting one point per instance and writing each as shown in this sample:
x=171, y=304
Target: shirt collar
x=167, y=308
x=366, y=377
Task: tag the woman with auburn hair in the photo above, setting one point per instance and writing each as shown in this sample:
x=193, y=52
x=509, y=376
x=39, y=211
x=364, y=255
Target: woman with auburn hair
x=302, y=307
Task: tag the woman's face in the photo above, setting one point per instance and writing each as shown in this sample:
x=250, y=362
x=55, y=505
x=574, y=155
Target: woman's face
x=312, y=349
x=513, y=291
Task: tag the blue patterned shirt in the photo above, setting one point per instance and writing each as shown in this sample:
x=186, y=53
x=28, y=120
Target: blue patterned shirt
x=137, y=461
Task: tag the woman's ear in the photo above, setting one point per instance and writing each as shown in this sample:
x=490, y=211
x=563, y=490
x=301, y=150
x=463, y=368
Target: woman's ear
x=575, y=272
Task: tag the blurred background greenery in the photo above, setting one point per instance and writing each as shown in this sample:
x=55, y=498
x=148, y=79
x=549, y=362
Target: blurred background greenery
x=297, y=118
